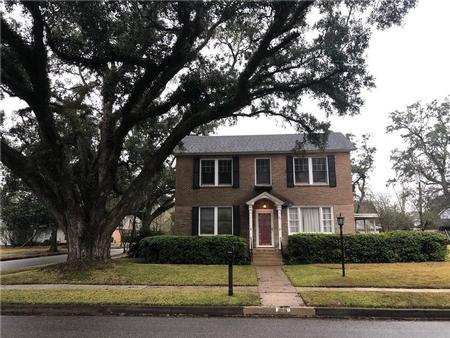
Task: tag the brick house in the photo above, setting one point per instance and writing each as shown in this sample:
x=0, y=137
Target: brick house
x=258, y=187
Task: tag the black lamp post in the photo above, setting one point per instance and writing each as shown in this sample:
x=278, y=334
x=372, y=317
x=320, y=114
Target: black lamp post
x=340, y=220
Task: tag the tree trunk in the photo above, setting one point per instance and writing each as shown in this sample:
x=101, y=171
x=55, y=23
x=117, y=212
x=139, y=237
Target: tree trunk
x=87, y=243
x=54, y=239
x=422, y=225
x=362, y=190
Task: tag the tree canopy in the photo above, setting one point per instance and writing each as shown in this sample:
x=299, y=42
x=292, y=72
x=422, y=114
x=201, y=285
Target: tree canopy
x=362, y=165
x=23, y=215
x=91, y=74
x=425, y=157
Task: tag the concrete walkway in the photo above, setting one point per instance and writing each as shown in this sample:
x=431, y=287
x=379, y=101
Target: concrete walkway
x=275, y=289
x=300, y=289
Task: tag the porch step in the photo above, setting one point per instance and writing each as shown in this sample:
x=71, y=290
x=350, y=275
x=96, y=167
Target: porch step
x=266, y=250
x=267, y=256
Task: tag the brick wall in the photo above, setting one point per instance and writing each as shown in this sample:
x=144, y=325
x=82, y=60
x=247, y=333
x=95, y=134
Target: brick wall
x=340, y=197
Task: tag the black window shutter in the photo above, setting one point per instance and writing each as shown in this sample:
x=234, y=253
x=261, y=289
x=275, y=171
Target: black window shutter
x=235, y=171
x=289, y=171
x=194, y=221
x=331, y=170
x=236, y=221
x=196, y=174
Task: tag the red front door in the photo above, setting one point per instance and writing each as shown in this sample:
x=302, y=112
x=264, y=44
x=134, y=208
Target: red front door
x=265, y=229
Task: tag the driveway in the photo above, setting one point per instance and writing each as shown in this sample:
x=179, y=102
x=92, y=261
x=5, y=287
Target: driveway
x=26, y=262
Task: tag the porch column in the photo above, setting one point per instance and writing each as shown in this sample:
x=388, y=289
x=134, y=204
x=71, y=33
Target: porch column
x=280, y=235
x=250, y=226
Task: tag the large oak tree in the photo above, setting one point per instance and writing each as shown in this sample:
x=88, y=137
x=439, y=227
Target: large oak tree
x=90, y=73
x=425, y=157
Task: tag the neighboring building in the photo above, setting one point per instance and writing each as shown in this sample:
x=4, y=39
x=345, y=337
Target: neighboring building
x=46, y=233
x=444, y=227
x=42, y=236
x=367, y=223
x=259, y=187
x=444, y=215
x=129, y=224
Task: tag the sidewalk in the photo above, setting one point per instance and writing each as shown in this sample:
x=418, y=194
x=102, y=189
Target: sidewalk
x=275, y=289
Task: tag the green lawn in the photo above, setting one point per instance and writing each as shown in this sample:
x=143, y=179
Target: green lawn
x=129, y=271
x=391, y=275
x=377, y=299
x=129, y=296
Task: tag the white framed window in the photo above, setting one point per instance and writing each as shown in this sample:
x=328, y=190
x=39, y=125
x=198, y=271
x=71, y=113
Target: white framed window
x=216, y=172
x=310, y=219
x=310, y=170
x=214, y=221
x=263, y=172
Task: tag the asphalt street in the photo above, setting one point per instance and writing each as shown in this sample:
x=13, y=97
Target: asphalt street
x=26, y=262
x=98, y=327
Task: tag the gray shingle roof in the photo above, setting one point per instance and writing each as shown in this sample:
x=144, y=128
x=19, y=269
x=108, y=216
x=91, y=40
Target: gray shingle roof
x=253, y=144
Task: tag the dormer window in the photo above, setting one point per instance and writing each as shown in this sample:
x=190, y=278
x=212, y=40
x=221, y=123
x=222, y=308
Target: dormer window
x=263, y=172
x=216, y=172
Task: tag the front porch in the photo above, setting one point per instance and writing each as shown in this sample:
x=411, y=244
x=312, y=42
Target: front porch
x=265, y=227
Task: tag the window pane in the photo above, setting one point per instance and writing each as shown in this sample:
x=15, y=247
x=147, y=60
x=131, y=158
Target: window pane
x=327, y=220
x=207, y=171
x=360, y=226
x=301, y=170
x=263, y=171
x=311, y=219
x=225, y=171
x=371, y=225
x=207, y=221
x=225, y=221
x=319, y=167
x=294, y=225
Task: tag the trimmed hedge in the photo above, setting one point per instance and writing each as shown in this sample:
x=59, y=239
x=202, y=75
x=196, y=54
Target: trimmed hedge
x=193, y=249
x=388, y=247
x=133, y=250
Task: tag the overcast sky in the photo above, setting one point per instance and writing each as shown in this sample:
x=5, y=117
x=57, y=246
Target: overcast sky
x=410, y=63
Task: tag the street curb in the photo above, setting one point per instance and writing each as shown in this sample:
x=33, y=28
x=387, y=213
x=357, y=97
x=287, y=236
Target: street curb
x=339, y=312
x=266, y=311
x=118, y=310
x=221, y=311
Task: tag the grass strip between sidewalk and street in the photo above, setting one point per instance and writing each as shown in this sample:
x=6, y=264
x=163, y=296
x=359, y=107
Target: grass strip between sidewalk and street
x=377, y=299
x=211, y=297
x=127, y=271
x=433, y=275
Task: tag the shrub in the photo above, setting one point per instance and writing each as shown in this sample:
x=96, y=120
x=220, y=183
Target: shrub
x=192, y=249
x=389, y=247
x=144, y=232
